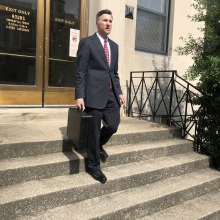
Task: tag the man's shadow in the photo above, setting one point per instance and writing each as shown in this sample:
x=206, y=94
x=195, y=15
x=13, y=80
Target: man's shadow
x=77, y=157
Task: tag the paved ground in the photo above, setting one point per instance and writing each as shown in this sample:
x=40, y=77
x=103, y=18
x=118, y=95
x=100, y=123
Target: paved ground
x=41, y=124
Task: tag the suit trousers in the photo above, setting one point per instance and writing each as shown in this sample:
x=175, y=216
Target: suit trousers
x=110, y=119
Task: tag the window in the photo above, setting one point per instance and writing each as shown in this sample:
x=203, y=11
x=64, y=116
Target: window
x=152, y=25
x=59, y=9
x=5, y=35
x=51, y=6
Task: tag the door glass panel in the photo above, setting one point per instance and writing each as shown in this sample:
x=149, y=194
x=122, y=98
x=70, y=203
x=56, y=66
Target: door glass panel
x=64, y=17
x=17, y=41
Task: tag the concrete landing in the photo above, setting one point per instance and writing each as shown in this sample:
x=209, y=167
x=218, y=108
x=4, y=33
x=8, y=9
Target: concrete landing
x=46, y=124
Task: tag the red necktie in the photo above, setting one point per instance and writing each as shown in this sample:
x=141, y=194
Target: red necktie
x=106, y=51
x=107, y=57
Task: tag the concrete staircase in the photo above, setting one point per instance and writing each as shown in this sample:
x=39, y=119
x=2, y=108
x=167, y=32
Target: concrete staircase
x=152, y=174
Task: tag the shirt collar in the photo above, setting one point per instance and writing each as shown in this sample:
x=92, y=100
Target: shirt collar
x=101, y=38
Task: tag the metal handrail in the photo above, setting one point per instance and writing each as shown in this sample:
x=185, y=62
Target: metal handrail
x=164, y=95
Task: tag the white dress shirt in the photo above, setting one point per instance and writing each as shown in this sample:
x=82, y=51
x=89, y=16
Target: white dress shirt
x=102, y=40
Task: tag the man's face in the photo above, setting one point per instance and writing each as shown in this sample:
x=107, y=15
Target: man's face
x=104, y=25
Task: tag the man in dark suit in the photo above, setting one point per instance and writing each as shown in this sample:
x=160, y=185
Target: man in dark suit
x=98, y=89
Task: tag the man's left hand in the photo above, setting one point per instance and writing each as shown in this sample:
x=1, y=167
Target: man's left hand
x=122, y=99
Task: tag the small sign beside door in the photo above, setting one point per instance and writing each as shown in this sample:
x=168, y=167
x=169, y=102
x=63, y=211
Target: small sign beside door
x=74, y=42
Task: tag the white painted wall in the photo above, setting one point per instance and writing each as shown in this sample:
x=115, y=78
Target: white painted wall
x=123, y=33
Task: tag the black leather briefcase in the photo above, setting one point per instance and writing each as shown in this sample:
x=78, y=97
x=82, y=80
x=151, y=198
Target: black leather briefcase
x=79, y=128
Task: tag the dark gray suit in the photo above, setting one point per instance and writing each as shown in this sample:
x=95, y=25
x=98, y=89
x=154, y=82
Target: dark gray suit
x=92, y=77
x=92, y=84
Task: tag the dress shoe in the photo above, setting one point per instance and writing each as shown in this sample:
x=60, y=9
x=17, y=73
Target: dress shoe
x=103, y=153
x=98, y=175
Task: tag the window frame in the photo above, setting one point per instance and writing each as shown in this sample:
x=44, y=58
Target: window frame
x=165, y=31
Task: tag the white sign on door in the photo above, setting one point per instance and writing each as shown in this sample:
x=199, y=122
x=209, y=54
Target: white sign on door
x=74, y=42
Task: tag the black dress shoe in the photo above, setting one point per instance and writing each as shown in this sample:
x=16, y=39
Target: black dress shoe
x=98, y=175
x=103, y=153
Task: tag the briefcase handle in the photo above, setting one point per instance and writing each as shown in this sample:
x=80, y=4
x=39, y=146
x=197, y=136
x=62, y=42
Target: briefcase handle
x=80, y=110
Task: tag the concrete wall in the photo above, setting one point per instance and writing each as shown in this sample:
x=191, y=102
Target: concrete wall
x=123, y=33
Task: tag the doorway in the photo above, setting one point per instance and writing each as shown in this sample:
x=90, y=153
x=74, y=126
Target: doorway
x=38, y=44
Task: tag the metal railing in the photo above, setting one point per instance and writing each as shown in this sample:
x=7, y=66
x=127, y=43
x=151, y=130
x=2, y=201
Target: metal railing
x=165, y=97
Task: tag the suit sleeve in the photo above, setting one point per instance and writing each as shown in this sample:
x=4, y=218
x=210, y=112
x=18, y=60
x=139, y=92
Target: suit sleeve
x=82, y=68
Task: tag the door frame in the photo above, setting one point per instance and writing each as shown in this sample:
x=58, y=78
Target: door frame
x=19, y=95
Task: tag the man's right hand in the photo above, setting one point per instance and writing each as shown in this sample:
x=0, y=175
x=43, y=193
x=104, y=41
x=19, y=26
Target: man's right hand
x=80, y=104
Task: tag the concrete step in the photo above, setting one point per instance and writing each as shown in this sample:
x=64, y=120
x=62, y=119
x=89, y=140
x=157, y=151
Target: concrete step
x=25, y=149
x=32, y=138
x=34, y=196
x=15, y=170
x=36, y=160
x=205, y=207
x=137, y=202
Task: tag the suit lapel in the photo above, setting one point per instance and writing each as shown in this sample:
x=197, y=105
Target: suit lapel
x=112, y=53
x=99, y=47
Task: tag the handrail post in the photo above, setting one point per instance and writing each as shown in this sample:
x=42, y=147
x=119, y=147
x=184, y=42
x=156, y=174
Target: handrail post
x=202, y=129
x=171, y=98
x=196, y=138
x=186, y=108
x=142, y=83
x=155, y=96
x=129, y=96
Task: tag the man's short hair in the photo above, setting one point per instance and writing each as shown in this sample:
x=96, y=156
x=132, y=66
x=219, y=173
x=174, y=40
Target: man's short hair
x=100, y=13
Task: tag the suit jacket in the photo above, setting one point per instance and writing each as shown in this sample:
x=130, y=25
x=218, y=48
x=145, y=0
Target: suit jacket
x=93, y=72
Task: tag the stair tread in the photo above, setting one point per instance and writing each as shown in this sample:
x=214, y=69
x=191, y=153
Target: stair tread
x=193, y=209
x=82, y=179
x=116, y=201
x=22, y=162
x=34, y=131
